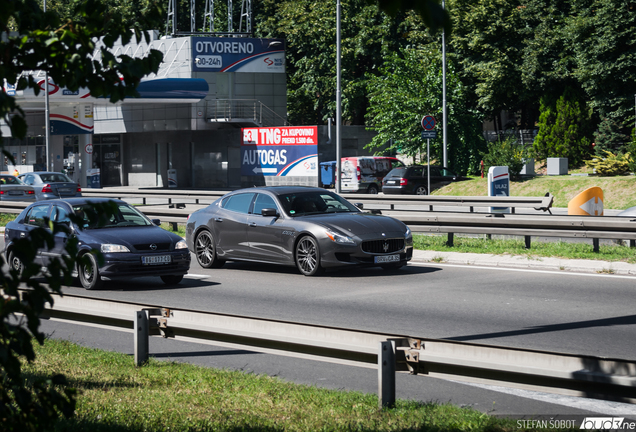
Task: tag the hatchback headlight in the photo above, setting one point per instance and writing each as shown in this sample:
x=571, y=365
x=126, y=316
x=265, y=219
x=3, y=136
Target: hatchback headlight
x=181, y=244
x=339, y=238
x=112, y=248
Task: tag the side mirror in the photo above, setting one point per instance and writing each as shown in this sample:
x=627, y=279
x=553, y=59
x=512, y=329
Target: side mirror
x=156, y=221
x=359, y=205
x=269, y=212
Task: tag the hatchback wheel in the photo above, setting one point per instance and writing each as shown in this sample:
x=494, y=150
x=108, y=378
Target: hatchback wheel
x=205, y=250
x=420, y=190
x=308, y=256
x=89, y=272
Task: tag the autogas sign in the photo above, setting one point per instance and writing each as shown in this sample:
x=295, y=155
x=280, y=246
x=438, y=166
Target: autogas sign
x=280, y=151
x=216, y=54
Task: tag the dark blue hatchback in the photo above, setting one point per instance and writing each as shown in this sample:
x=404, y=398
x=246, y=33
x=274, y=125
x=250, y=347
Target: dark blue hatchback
x=131, y=244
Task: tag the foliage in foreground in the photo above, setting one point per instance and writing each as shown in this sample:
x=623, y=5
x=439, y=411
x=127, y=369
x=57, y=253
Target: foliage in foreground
x=115, y=395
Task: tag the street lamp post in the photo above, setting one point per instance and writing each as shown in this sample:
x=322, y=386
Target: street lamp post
x=338, y=95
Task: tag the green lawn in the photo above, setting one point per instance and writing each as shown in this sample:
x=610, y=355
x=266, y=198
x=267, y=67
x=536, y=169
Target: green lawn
x=114, y=395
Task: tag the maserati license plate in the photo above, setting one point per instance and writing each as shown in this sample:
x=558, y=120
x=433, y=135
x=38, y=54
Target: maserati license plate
x=386, y=259
x=156, y=259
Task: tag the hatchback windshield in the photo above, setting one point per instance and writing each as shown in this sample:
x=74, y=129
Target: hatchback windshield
x=125, y=216
x=304, y=203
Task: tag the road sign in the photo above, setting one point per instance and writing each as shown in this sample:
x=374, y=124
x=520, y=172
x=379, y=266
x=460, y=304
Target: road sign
x=428, y=122
x=427, y=134
x=89, y=148
x=587, y=203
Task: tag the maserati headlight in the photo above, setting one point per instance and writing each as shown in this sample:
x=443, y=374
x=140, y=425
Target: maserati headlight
x=181, y=244
x=408, y=234
x=111, y=248
x=339, y=238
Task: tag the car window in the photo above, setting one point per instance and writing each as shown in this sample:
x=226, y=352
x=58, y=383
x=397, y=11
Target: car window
x=124, y=216
x=54, y=178
x=60, y=214
x=263, y=201
x=446, y=172
x=29, y=179
x=239, y=203
x=37, y=215
x=304, y=203
x=396, y=164
x=397, y=172
x=9, y=180
x=416, y=172
x=435, y=171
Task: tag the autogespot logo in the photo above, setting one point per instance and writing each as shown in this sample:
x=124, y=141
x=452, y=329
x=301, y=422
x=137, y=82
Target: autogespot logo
x=607, y=423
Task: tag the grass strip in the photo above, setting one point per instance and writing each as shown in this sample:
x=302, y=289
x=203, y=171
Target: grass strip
x=503, y=246
x=114, y=395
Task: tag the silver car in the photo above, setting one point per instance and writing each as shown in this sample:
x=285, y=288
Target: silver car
x=12, y=189
x=310, y=228
x=51, y=185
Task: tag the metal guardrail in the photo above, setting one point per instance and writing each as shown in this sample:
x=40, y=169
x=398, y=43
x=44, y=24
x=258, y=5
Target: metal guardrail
x=409, y=210
x=578, y=375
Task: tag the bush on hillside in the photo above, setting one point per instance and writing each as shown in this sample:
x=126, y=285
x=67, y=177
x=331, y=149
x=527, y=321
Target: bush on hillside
x=610, y=165
x=505, y=153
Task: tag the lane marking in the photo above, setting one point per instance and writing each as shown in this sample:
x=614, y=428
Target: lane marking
x=560, y=272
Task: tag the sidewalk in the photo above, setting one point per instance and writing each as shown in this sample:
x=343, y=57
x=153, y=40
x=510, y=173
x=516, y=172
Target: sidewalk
x=534, y=263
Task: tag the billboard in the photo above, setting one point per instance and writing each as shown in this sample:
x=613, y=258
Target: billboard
x=216, y=54
x=280, y=151
x=72, y=120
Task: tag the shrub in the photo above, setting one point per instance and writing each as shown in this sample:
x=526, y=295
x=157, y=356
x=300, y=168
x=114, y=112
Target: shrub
x=610, y=165
x=505, y=153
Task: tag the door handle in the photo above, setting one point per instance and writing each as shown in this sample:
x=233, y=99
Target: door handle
x=218, y=219
x=252, y=224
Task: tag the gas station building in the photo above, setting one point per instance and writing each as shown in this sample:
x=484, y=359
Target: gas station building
x=186, y=128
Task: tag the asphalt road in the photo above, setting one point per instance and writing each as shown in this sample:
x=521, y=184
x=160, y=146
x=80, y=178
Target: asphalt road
x=576, y=313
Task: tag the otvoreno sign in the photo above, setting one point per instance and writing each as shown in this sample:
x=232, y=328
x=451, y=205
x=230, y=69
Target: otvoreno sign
x=216, y=54
x=280, y=151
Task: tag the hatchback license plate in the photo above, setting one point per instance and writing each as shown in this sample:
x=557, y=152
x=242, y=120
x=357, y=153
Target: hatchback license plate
x=391, y=182
x=156, y=260
x=386, y=259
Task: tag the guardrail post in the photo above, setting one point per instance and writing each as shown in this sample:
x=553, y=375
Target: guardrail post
x=528, y=241
x=595, y=244
x=450, y=240
x=142, y=325
x=632, y=243
x=386, y=374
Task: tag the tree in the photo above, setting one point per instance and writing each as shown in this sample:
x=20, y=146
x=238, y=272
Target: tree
x=562, y=129
x=368, y=35
x=410, y=86
x=34, y=40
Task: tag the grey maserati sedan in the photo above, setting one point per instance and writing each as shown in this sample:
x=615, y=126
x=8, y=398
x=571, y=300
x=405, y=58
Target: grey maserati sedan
x=307, y=227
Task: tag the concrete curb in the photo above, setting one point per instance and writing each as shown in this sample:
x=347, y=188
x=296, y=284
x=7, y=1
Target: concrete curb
x=534, y=263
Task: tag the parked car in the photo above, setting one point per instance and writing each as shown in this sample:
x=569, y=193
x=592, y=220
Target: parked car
x=12, y=189
x=131, y=244
x=307, y=227
x=365, y=174
x=51, y=185
x=414, y=179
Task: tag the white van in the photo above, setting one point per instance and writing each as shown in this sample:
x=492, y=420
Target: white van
x=364, y=174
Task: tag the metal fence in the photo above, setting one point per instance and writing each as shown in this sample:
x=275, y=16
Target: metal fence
x=579, y=375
